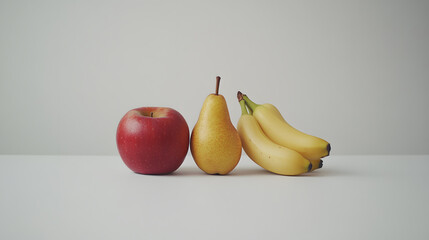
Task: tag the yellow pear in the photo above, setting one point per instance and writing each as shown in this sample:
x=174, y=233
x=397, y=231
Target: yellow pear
x=215, y=143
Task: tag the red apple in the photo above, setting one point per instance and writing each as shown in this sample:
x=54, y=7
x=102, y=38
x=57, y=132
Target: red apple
x=153, y=140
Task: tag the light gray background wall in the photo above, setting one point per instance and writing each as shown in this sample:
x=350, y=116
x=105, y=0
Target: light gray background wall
x=352, y=72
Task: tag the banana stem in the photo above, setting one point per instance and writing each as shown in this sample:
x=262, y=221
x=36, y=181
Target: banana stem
x=250, y=110
x=242, y=103
x=243, y=108
x=250, y=104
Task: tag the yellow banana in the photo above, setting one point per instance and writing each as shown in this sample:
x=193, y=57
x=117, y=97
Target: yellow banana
x=316, y=164
x=282, y=133
x=264, y=152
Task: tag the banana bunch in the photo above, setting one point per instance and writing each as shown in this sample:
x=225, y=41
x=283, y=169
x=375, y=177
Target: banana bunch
x=274, y=144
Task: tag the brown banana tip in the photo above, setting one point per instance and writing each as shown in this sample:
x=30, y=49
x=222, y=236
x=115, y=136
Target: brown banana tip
x=321, y=163
x=239, y=96
x=328, y=148
x=310, y=167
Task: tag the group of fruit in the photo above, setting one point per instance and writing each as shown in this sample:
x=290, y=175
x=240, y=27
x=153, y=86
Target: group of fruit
x=156, y=140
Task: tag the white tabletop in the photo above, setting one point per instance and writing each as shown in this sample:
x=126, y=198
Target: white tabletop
x=97, y=197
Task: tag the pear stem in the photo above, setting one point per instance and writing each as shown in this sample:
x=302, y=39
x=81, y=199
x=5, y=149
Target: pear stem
x=217, y=85
x=242, y=103
x=250, y=104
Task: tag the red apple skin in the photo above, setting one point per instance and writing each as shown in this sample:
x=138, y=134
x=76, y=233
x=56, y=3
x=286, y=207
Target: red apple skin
x=153, y=145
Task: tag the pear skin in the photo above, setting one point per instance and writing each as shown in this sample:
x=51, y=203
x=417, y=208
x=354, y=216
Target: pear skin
x=215, y=143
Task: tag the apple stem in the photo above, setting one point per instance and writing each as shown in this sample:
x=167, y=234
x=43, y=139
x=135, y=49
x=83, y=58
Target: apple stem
x=217, y=85
x=151, y=114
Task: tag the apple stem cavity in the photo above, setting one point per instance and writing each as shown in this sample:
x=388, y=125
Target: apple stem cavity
x=151, y=114
x=217, y=85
